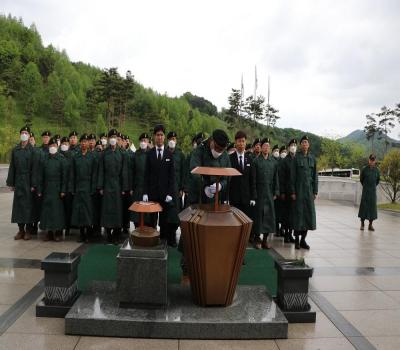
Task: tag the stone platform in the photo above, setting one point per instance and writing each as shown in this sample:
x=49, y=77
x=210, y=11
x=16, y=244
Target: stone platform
x=252, y=315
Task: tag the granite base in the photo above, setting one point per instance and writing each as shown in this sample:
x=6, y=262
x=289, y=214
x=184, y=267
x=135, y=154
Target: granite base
x=56, y=311
x=252, y=315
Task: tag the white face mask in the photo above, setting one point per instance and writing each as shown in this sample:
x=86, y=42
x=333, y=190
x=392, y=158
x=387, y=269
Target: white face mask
x=215, y=154
x=171, y=144
x=58, y=143
x=64, y=148
x=293, y=149
x=194, y=145
x=276, y=154
x=52, y=150
x=143, y=145
x=113, y=141
x=103, y=141
x=24, y=137
x=283, y=155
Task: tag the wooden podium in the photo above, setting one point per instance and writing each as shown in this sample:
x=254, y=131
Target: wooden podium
x=215, y=237
x=145, y=236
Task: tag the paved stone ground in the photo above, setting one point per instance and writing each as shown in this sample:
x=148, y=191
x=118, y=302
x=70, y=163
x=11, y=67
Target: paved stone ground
x=355, y=287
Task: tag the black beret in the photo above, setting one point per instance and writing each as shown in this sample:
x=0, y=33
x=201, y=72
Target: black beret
x=57, y=136
x=257, y=140
x=305, y=137
x=32, y=134
x=92, y=137
x=98, y=143
x=112, y=132
x=159, y=127
x=64, y=139
x=73, y=133
x=123, y=136
x=46, y=133
x=25, y=128
x=103, y=134
x=144, y=135
x=265, y=140
x=198, y=137
x=275, y=147
x=293, y=141
x=84, y=137
x=52, y=141
x=220, y=137
x=171, y=134
x=127, y=137
x=283, y=148
x=372, y=156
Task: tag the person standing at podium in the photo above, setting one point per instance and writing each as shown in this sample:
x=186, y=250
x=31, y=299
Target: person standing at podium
x=242, y=189
x=160, y=185
x=211, y=153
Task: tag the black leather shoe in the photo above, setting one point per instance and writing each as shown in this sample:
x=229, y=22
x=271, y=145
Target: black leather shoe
x=296, y=243
x=304, y=245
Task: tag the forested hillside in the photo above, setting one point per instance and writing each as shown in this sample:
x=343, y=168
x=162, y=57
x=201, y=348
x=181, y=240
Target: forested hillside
x=41, y=87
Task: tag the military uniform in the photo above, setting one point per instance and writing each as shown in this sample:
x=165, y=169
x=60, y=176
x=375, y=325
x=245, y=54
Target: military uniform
x=287, y=202
x=369, y=179
x=112, y=181
x=53, y=182
x=304, y=185
x=83, y=186
x=20, y=178
x=202, y=156
x=68, y=195
x=267, y=186
x=96, y=197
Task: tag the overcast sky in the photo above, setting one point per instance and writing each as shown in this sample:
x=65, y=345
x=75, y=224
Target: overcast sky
x=330, y=62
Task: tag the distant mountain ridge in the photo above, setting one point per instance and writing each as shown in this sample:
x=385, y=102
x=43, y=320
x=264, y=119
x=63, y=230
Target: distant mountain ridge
x=359, y=137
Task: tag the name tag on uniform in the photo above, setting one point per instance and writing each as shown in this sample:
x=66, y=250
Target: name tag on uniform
x=167, y=159
x=247, y=164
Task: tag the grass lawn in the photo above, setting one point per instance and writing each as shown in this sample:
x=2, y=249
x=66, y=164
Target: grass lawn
x=390, y=206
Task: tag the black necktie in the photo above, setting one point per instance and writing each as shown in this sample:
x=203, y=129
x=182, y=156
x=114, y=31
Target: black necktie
x=159, y=154
x=241, y=163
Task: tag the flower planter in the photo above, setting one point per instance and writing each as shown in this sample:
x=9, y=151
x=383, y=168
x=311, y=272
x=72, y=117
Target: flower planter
x=292, y=292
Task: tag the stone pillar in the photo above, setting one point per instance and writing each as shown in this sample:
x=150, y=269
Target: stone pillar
x=60, y=284
x=142, y=275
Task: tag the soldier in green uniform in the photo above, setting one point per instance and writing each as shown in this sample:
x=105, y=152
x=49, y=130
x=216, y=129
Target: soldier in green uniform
x=53, y=186
x=304, y=190
x=256, y=147
x=32, y=139
x=284, y=188
x=369, y=179
x=92, y=142
x=83, y=186
x=210, y=153
x=179, y=166
x=276, y=156
x=64, y=150
x=112, y=182
x=73, y=141
x=267, y=187
x=189, y=180
x=103, y=140
x=35, y=199
x=19, y=180
x=96, y=197
x=137, y=176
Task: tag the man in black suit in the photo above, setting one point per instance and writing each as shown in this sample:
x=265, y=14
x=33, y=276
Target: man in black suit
x=159, y=182
x=242, y=189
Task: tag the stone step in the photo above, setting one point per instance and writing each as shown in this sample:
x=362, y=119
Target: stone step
x=252, y=315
